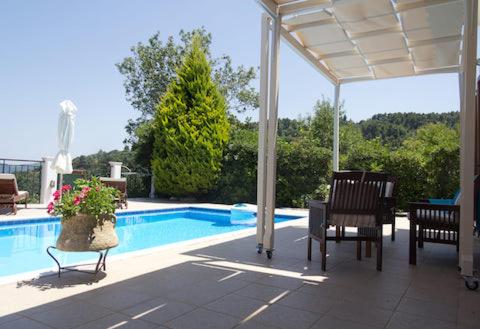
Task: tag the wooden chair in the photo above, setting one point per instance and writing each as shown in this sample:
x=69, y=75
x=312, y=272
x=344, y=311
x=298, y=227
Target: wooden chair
x=356, y=200
x=389, y=212
x=121, y=185
x=9, y=193
x=437, y=223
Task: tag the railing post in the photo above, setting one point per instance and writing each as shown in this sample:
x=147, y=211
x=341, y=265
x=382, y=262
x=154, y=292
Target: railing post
x=48, y=182
x=115, y=169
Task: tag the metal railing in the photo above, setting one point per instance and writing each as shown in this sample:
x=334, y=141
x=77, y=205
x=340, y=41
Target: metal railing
x=138, y=184
x=27, y=173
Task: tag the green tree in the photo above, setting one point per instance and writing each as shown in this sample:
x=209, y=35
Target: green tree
x=151, y=68
x=191, y=129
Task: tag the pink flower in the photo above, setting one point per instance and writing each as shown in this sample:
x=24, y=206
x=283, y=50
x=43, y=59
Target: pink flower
x=50, y=207
x=56, y=195
x=84, y=192
x=77, y=200
x=66, y=188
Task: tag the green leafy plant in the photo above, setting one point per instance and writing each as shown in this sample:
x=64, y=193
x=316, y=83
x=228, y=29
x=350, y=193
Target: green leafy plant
x=191, y=129
x=89, y=197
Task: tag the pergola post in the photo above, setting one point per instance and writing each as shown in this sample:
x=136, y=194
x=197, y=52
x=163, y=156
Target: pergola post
x=268, y=239
x=467, y=158
x=262, y=128
x=336, y=128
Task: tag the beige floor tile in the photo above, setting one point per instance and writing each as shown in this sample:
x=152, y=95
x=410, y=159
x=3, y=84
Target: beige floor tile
x=375, y=299
x=10, y=317
x=119, y=299
x=325, y=289
x=430, y=309
x=262, y=292
x=286, y=317
x=361, y=313
x=201, y=318
x=254, y=325
x=118, y=321
x=23, y=323
x=330, y=322
x=206, y=291
x=71, y=315
x=237, y=305
x=401, y=320
x=159, y=310
x=308, y=302
x=281, y=282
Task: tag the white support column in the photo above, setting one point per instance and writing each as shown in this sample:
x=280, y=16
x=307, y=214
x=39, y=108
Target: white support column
x=115, y=169
x=336, y=129
x=268, y=240
x=48, y=180
x=262, y=127
x=467, y=160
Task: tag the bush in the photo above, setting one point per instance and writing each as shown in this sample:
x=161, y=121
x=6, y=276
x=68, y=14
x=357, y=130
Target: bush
x=302, y=171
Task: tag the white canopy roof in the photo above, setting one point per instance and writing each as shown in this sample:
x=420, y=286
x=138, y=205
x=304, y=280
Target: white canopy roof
x=354, y=40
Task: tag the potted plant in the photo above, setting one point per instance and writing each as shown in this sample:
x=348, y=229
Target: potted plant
x=87, y=215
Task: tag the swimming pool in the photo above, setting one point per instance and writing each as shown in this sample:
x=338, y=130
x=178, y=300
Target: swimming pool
x=23, y=245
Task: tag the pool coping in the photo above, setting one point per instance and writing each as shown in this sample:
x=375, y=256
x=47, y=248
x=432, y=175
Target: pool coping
x=126, y=212
x=248, y=231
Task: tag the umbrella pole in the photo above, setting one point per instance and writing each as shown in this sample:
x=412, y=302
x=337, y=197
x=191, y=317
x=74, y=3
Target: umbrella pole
x=61, y=182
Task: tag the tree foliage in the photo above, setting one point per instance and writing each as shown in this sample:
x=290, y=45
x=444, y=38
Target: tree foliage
x=152, y=66
x=191, y=129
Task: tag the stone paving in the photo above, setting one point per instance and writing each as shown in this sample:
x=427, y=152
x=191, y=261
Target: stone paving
x=224, y=283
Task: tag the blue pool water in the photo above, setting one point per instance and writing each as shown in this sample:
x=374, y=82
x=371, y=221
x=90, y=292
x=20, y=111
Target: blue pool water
x=22, y=246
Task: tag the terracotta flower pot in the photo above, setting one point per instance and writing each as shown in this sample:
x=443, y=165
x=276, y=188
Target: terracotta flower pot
x=85, y=233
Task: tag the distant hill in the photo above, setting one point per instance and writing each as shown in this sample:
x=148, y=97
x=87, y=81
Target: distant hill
x=97, y=164
x=393, y=128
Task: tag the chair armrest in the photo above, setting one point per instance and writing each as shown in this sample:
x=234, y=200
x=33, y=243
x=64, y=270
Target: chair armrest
x=431, y=215
x=433, y=206
x=317, y=217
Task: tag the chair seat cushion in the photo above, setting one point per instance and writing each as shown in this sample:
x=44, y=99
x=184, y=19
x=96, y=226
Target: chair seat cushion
x=352, y=220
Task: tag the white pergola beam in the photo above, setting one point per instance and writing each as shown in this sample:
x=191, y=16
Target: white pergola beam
x=308, y=56
x=302, y=26
x=269, y=6
x=262, y=127
x=421, y=4
x=297, y=7
x=468, y=120
x=336, y=129
x=450, y=69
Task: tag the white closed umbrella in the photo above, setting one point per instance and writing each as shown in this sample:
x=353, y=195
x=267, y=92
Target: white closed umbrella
x=66, y=126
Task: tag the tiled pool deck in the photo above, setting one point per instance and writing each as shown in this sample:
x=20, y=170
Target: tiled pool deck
x=224, y=283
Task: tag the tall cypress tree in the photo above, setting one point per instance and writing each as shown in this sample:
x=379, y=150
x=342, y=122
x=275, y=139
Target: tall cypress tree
x=191, y=129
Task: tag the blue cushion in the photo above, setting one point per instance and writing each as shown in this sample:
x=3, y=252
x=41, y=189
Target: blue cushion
x=442, y=201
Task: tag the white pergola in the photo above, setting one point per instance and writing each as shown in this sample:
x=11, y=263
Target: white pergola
x=357, y=40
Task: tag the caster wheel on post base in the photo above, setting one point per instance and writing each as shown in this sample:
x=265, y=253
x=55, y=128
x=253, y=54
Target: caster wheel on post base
x=269, y=254
x=471, y=283
x=259, y=249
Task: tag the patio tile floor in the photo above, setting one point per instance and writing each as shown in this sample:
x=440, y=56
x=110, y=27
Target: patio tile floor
x=224, y=283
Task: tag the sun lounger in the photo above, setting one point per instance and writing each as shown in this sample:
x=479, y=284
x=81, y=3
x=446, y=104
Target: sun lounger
x=9, y=193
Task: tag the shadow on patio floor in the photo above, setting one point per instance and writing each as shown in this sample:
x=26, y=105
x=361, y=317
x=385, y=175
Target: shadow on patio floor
x=227, y=285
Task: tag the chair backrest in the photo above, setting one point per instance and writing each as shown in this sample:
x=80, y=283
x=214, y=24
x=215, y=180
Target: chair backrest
x=390, y=186
x=118, y=183
x=8, y=184
x=356, y=192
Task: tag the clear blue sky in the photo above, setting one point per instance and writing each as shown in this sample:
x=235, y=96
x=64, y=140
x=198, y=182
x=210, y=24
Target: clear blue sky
x=56, y=50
